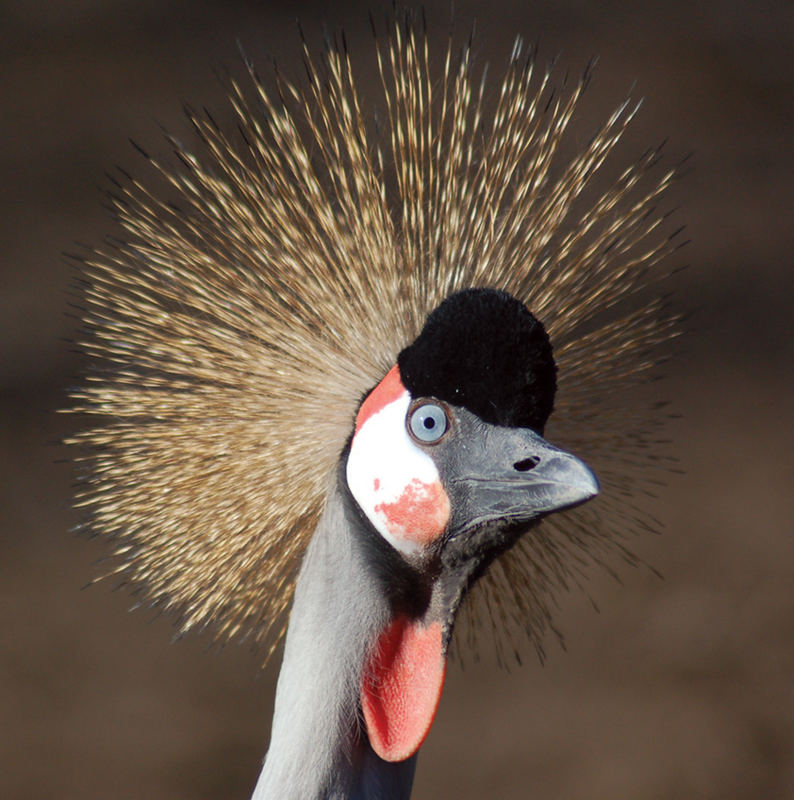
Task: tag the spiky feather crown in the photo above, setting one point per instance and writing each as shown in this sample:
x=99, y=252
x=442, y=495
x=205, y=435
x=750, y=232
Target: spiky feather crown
x=234, y=332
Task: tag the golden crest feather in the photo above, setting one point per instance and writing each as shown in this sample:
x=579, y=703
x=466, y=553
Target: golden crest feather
x=234, y=332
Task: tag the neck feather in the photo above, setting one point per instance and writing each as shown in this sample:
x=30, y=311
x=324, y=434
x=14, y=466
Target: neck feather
x=318, y=748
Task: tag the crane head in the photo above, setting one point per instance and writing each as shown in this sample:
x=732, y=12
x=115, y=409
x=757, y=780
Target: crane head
x=449, y=468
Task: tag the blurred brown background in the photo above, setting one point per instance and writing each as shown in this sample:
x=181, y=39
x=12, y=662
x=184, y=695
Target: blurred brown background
x=679, y=688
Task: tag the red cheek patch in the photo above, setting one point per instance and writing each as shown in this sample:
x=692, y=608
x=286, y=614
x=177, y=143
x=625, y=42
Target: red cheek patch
x=387, y=391
x=420, y=514
x=401, y=687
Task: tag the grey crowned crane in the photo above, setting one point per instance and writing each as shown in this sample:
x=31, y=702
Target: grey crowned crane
x=445, y=469
x=252, y=477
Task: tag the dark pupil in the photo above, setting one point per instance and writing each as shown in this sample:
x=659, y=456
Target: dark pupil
x=429, y=423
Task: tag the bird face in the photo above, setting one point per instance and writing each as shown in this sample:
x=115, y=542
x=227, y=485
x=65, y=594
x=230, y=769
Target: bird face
x=429, y=476
x=448, y=464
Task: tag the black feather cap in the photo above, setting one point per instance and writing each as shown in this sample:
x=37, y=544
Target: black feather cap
x=482, y=349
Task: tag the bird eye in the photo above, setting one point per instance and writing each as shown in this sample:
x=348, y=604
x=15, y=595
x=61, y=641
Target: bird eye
x=428, y=423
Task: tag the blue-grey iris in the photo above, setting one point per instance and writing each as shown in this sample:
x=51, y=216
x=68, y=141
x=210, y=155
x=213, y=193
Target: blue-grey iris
x=428, y=422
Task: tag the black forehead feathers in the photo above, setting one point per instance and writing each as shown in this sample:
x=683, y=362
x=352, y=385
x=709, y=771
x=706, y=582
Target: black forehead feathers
x=482, y=349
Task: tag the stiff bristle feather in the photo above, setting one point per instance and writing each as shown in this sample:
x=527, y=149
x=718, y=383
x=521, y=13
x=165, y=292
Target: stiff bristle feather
x=234, y=331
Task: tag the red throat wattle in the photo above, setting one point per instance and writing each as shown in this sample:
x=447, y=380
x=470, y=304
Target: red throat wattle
x=404, y=673
x=401, y=687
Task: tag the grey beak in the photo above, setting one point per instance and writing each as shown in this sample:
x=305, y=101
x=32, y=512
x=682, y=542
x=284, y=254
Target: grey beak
x=515, y=475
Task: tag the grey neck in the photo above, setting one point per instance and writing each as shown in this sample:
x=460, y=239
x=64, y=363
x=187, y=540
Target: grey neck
x=318, y=749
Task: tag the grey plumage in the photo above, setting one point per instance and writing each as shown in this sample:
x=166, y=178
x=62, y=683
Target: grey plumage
x=335, y=618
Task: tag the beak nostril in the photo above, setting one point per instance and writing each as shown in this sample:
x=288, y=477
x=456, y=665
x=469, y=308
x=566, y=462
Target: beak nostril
x=526, y=464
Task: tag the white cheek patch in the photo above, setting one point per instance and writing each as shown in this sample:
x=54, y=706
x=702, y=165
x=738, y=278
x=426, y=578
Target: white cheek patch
x=395, y=483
